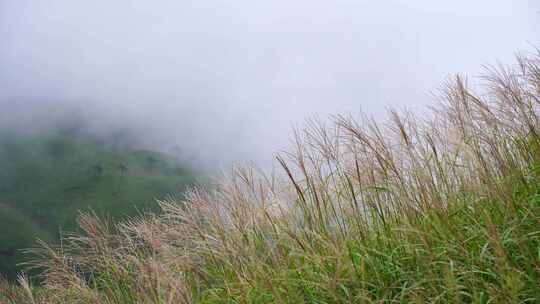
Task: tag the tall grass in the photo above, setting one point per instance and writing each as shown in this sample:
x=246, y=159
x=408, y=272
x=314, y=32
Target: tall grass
x=442, y=208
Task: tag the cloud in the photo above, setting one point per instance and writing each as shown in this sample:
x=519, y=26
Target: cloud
x=225, y=80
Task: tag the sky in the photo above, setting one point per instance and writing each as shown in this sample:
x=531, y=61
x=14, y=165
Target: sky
x=227, y=80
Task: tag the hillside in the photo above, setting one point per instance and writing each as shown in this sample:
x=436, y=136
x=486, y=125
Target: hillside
x=45, y=180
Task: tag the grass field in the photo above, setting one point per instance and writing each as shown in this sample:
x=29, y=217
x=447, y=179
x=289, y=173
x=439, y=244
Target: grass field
x=45, y=180
x=443, y=208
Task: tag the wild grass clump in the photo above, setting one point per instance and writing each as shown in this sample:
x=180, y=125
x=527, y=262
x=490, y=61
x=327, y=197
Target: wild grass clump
x=443, y=208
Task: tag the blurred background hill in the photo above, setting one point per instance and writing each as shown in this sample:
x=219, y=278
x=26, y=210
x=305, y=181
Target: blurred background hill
x=45, y=179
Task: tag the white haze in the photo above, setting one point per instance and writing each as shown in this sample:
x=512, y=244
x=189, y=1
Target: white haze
x=226, y=80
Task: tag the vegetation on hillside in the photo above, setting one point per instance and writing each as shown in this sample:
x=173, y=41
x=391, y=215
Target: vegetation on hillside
x=434, y=209
x=45, y=180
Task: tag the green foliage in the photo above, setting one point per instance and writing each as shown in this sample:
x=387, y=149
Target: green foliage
x=46, y=180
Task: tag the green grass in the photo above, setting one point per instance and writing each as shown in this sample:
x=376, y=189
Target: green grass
x=45, y=180
x=468, y=254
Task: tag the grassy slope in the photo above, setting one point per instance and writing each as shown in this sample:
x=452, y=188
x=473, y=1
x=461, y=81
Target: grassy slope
x=45, y=180
x=484, y=253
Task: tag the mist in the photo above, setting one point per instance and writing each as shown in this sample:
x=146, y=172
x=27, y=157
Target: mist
x=226, y=80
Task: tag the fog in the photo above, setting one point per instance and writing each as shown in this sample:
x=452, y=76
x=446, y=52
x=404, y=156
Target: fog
x=227, y=80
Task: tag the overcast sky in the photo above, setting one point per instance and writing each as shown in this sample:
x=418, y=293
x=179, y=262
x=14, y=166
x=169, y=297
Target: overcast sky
x=226, y=80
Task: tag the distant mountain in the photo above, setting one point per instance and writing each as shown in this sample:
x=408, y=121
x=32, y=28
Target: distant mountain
x=46, y=179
